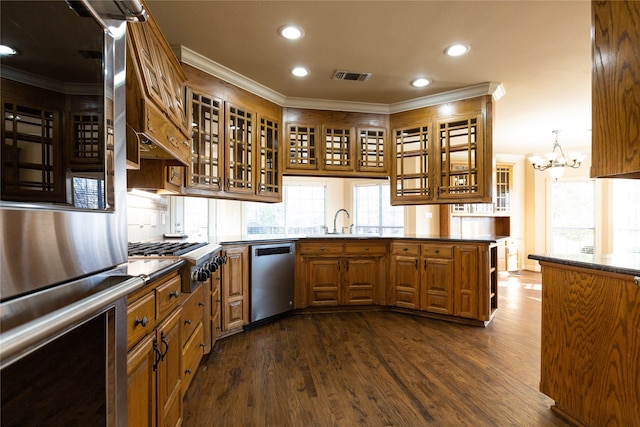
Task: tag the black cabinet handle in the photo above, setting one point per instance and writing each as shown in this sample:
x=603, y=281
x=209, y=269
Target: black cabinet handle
x=158, y=354
x=163, y=338
x=142, y=322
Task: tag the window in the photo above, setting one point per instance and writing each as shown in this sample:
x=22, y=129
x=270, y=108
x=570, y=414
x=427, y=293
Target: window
x=373, y=212
x=196, y=215
x=572, y=217
x=301, y=212
x=626, y=215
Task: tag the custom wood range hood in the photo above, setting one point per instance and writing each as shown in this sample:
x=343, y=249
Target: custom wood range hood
x=156, y=117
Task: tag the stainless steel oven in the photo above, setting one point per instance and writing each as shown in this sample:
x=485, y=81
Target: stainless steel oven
x=63, y=224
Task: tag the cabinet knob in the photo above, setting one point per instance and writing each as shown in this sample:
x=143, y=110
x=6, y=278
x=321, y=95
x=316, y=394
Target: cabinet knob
x=405, y=249
x=202, y=345
x=187, y=371
x=637, y=280
x=142, y=322
x=322, y=249
x=366, y=248
x=201, y=304
x=174, y=294
x=436, y=251
x=187, y=322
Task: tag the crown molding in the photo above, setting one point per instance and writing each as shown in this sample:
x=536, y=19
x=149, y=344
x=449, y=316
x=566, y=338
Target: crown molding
x=188, y=56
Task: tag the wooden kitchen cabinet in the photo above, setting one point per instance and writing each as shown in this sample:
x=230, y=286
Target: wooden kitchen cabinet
x=615, y=148
x=207, y=147
x=436, y=291
x=154, y=359
x=268, y=176
x=235, y=289
x=346, y=273
x=323, y=280
x=467, y=281
x=405, y=275
x=193, y=342
x=239, y=146
x=443, y=159
x=156, y=111
x=451, y=279
x=333, y=143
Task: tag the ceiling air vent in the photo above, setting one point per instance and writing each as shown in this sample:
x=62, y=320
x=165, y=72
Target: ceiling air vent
x=347, y=75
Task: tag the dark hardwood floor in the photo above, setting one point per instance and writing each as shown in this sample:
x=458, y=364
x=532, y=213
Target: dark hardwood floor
x=379, y=368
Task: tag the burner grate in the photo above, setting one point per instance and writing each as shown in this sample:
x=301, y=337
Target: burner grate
x=162, y=248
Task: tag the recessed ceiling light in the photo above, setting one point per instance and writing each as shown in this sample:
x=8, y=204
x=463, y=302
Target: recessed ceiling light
x=457, y=49
x=421, y=82
x=6, y=50
x=299, y=71
x=291, y=32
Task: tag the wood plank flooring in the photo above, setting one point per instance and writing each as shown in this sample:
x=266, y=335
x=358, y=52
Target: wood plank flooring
x=379, y=368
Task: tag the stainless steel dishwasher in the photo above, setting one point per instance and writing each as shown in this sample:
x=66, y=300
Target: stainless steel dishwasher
x=272, y=276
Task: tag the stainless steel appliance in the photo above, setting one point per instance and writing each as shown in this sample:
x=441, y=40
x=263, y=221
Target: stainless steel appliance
x=272, y=280
x=63, y=222
x=202, y=259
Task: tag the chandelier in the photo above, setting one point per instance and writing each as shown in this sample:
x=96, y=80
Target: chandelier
x=556, y=161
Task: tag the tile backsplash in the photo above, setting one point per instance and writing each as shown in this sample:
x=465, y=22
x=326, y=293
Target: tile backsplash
x=147, y=217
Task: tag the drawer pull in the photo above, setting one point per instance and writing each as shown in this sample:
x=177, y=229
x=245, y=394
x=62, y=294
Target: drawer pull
x=436, y=251
x=187, y=371
x=405, y=249
x=201, y=304
x=142, y=322
x=202, y=345
x=174, y=294
x=322, y=248
x=187, y=322
x=366, y=248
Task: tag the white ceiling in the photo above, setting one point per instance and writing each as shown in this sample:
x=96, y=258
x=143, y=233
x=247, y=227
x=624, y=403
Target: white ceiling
x=539, y=50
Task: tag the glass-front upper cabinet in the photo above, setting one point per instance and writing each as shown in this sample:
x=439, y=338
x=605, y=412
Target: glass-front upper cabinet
x=459, y=172
x=205, y=170
x=443, y=155
x=239, y=149
x=410, y=172
x=302, y=150
x=338, y=148
x=269, y=178
x=371, y=150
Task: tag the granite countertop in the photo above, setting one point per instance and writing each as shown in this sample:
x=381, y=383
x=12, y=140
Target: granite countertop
x=627, y=263
x=249, y=239
x=151, y=268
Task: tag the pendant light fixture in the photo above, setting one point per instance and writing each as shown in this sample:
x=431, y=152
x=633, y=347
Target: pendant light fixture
x=556, y=161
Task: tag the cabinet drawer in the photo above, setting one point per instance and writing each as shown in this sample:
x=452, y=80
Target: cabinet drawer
x=192, y=313
x=405, y=248
x=321, y=248
x=140, y=318
x=166, y=134
x=168, y=296
x=437, y=251
x=365, y=249
x=191, y=355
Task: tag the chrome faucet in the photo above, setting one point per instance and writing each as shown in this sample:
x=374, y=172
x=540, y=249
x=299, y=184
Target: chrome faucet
x=335, y=217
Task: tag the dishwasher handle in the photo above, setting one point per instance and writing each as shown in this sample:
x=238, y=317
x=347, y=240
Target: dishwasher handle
x=276, y=250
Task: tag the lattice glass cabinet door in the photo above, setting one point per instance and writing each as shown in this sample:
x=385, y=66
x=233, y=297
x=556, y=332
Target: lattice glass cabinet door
x=269, y=176
x=239, y=150
x=205, y=169
x=371, y=153
x=302, y=152
x=410, y=176
x=338, y=148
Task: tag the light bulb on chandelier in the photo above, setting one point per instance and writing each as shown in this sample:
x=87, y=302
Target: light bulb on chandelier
x=556, y=161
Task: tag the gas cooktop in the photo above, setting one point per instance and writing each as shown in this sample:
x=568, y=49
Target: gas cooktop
x=167, y=249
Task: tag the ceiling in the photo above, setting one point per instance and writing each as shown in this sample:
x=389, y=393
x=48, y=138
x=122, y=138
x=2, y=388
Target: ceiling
x=540, y=51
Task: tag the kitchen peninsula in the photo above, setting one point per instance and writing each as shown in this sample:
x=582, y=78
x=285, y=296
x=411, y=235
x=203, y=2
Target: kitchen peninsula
x=450, y=277
x=591, y=337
